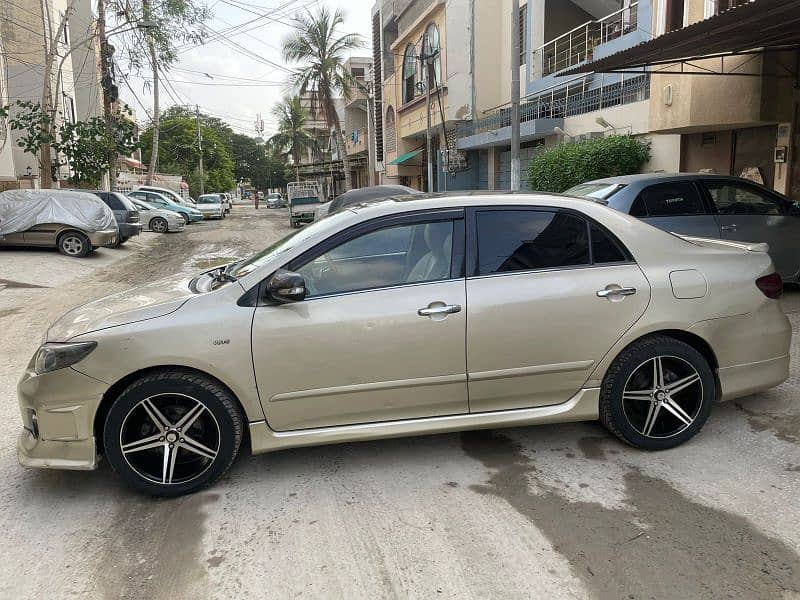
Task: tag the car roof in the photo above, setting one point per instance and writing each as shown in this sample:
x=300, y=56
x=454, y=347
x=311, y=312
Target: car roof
x=644, y=177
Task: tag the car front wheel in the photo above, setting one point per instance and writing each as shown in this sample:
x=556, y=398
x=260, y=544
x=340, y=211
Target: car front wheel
x=173, y=432
x=74, y=243
x=657, y=394
x=185, y=218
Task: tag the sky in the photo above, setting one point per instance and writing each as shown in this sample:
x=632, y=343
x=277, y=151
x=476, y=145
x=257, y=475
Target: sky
x=220, y=78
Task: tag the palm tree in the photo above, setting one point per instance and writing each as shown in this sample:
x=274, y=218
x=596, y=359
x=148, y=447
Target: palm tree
x=317, y=45
x=293, y=137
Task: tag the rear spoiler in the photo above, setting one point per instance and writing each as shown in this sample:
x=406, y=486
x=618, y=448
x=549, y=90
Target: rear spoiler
x=716, y=243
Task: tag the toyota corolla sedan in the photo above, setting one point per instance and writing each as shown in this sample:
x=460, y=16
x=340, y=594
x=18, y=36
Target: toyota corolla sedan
x=424, y=315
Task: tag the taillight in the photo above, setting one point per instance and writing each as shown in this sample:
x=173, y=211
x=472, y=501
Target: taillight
x=771, y=285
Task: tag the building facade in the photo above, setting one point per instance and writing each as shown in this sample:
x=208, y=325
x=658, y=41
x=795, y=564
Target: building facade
x=8, y=176
x=74, y=77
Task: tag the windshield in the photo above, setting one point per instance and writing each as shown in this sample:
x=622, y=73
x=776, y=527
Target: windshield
x=168, y=194
x=284, y=245
x=595, y=191
x=208, y=200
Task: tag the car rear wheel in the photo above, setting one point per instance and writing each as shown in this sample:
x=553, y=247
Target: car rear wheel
x=657, y=394
x=159, y=225
x=185, y=218
x=172, y=433
x=74, y=243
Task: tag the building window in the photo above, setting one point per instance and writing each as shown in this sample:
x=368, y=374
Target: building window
x=431, y=51
x=674, y=16
x=69, y=109
x=409, y=73
x=390, y=139
x=523, y=31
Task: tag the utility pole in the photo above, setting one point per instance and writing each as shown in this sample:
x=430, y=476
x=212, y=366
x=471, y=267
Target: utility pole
x=106, y=81
x=151, y=47
x=515, y=50
x=200, y=147
x=429, y=150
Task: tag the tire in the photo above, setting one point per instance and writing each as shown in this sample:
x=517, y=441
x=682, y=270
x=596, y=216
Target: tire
x=74, y=244
x=144, y=420
x=185, y=218
x=159, y=225
x=650, y=416
x=122, y=240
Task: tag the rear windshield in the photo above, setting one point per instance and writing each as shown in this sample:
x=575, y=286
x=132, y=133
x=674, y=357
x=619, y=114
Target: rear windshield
x=595, y=191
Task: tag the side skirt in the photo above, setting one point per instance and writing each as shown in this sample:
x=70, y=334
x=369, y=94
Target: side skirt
x=583, y=406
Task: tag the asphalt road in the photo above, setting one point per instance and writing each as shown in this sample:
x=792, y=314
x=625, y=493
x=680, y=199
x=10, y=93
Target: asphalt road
x=557, y=511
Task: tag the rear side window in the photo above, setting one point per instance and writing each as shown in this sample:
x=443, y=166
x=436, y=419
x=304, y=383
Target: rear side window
x=668, y=199
x=112, y=201
x=522, y=240
x=605, y=248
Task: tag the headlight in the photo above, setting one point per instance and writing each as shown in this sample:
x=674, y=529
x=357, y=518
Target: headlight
x=52, y=357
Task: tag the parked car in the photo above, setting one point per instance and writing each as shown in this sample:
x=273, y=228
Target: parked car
x=712, y=206
x=369, y=194
x=189, y=214
x=275, y=200
x=211, y=205
x=416, y=316
x=125, y=212
x=158, y=220
x=74, y=222
x=171, y=194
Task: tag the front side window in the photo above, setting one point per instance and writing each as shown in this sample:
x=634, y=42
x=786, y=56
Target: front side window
x=523, y=240
x=409, y=74
x=669, y=199
x=737, y=199
x=395, y=255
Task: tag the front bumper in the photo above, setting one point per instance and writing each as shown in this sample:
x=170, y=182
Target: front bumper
x=58, y=411
x=103, y=237
x=129, y=230
x=193, y=218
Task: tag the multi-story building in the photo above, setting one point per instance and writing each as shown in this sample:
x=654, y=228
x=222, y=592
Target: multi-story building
x=73, y=77
x=420, y=57
x=8, y=176
x=357, y=128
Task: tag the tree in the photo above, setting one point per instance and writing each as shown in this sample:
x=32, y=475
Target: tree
x=293, y=137
x=567, y=165
x=180, y=154
x=172, y=22
x=316, y=43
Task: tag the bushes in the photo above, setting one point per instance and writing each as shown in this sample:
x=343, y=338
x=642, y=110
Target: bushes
x=571, y=163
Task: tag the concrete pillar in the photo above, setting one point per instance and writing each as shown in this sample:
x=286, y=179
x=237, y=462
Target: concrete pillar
x=491, y=167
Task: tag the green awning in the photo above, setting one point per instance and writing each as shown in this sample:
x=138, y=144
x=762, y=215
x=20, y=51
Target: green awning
x=405, y=157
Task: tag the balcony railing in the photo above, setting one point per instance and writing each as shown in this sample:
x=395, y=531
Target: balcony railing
x=577, y=45
x=574, y=98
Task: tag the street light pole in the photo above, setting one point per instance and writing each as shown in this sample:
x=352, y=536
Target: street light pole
x=105, y=84
x=200, y=147
x=515, y=126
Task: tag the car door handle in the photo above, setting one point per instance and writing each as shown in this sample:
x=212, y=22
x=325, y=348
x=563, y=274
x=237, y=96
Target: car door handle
x=619, y=291
x=446, y=309
x=728, y=228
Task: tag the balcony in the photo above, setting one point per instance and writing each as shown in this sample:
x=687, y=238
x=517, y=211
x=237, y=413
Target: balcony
x=540, y=113
x=358, y=94
x=578, y=45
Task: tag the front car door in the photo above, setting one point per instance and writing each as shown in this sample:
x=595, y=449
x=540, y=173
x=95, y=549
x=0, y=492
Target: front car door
x=747, y=213
x=549, y=293
x=381, y=334
x=675, y=206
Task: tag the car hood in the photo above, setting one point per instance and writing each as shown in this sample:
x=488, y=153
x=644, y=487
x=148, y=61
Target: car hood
x=149, y=301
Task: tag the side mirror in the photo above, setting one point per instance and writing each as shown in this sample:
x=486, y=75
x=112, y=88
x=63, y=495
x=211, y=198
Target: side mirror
x=286, y=286
x=794, y=209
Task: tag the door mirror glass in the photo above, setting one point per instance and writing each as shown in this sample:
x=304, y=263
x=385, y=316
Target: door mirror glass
x=286, y=286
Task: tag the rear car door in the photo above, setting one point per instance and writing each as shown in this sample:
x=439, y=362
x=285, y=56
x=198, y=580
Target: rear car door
x=747, y=213
x=548, y=294
x=676, y=206
x=381, y=334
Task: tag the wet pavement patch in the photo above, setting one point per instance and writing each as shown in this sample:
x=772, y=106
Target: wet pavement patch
x=785, y=427
x=154, y=548
x=664, y=546
x=593, y=447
